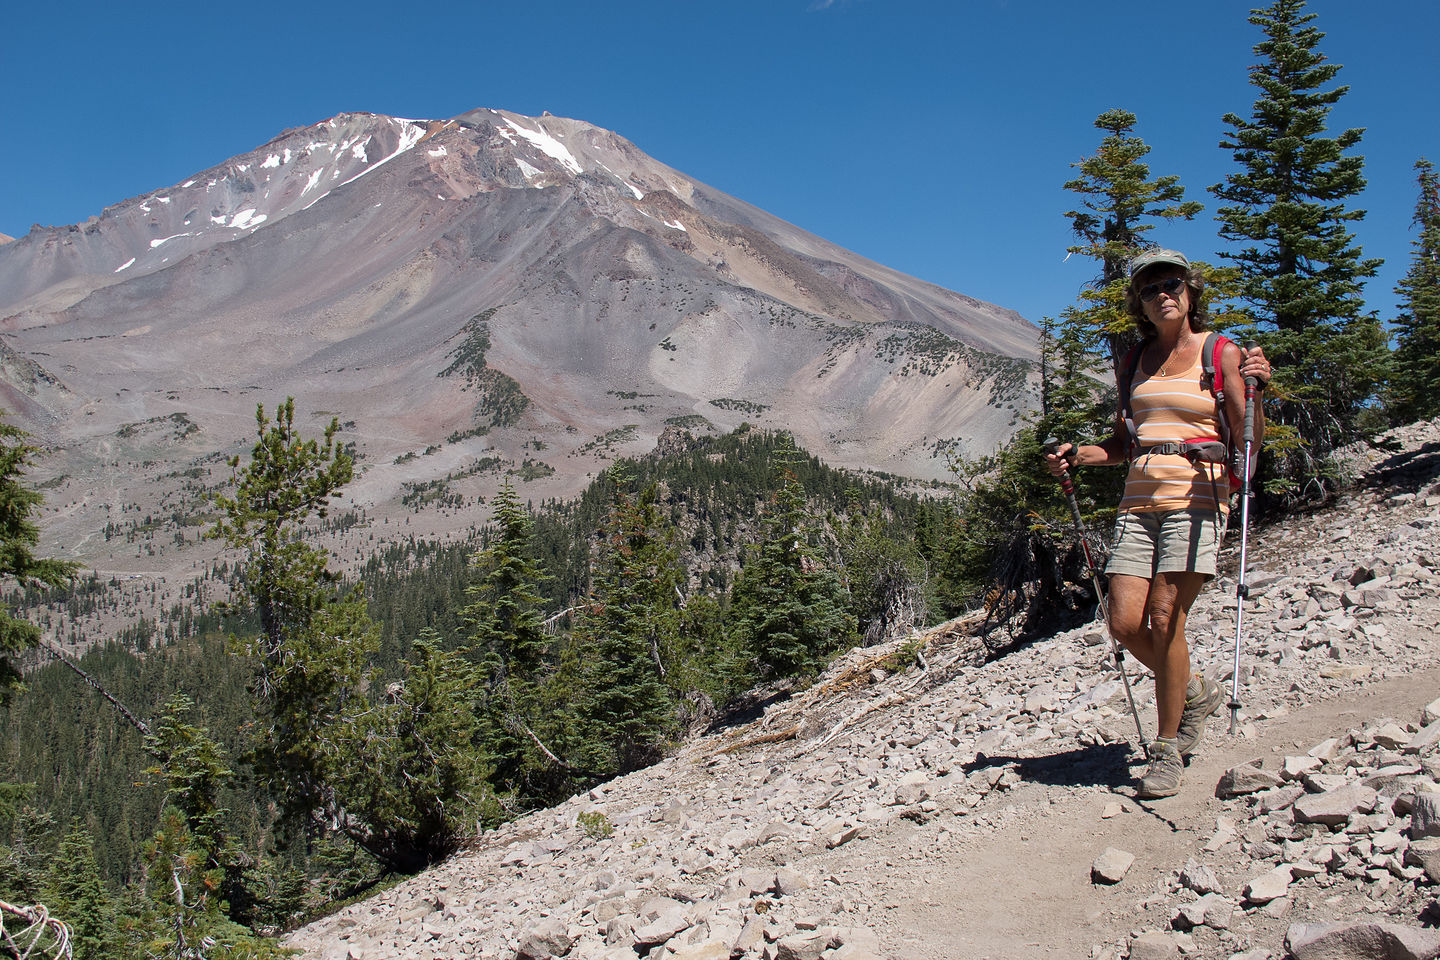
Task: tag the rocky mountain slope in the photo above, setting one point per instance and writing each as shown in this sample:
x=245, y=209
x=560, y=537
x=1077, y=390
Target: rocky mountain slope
x=491, y=285
x=473, y=298
x=932, y=804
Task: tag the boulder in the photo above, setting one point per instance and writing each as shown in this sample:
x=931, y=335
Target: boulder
x=789, y=882
x=1425, y=740
x=1425, y=815
x=1211, y=910
x=802, y=946
x=547, y=939
x=1425, y=854
x=1199, y=877
x=1361, y=941
x=708, y=950
x=1153, y=946
x=1269, y=886
x=1335, y=807
x=1244, y=779
x=1431, y=713
x=1111, y=866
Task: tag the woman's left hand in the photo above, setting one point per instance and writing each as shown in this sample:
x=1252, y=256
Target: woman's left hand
x=1254, y=364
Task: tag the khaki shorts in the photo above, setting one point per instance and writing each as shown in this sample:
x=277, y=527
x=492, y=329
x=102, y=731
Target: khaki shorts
x=1166, y=541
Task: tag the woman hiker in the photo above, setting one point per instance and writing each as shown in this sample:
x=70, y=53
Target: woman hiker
x=1172, y=513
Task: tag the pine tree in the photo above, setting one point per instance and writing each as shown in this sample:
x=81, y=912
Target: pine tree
x=184, y=892
x=313, y=650
x=788, y=607
x=508, y=642
x=883, y=572
x=1299, y=266
x=1415, y=385
x=31, y=833
x=1120, y=198
x=1083, y=349
x=422, y=783
x=18, y=538
x=1013, y=514
x=74, y=893
x=323, y=737
x=1121, y=204
x=630, y=620
x=194, y=770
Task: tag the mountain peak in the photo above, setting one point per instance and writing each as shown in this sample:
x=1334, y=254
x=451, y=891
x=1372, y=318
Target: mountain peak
x=471, y=295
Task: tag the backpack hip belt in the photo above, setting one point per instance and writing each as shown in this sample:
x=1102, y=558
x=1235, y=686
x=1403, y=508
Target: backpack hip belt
x=1200, y=450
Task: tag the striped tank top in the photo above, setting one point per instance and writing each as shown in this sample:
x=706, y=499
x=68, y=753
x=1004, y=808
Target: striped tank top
x=1166, y=409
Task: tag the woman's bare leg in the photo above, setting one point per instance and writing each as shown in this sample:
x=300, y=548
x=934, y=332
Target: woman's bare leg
x=1148, y=618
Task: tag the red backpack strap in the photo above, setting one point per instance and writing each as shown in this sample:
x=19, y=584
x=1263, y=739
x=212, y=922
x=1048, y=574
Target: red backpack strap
x=1213, y=379
x=1128, y=365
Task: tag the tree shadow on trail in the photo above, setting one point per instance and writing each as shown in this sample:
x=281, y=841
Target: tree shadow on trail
x=1100, y=765
x=1407, y=471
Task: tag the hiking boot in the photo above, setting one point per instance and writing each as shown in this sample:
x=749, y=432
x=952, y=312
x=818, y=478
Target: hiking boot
x=1199, y=706
x=1163, y=777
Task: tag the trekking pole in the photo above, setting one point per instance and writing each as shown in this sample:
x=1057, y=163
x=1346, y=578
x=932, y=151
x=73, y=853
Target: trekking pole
x=1066, y=484
x=1242, y=590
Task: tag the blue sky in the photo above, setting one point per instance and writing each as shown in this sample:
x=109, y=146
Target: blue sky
x=930, y=135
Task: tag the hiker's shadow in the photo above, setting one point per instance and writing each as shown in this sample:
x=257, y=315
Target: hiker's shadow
x=1099, y=765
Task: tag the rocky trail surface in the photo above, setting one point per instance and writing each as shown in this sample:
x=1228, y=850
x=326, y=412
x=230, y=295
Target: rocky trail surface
x=961, y=808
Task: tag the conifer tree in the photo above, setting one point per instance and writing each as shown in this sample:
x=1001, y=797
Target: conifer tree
x=313, y=651
x=1013, y=513
x=76, y=894
x=1415, y=385
x=788, y=607
x=421, y=783
x=1300, y=269
x=624, y=707
x=18, y=538
x=32, y=839
x=194, y=770
x=1122, y=203
x=508, y=642
x=883, y=573
x=322, y=737
x=184, y=891
x=1120, y=198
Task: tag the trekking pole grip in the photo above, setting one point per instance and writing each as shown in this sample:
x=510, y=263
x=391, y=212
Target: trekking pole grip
x=1066, y=484
x=1252, y=385
x=1052, y=446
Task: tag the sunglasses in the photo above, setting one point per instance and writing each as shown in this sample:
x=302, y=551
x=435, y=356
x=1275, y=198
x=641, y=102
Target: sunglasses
x=1169, y=286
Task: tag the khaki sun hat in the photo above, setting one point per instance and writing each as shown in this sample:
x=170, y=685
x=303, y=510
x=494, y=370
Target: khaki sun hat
x=1158, y=257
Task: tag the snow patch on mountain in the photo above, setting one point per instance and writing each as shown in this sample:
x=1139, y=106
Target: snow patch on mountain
x=247, y=219
x=546, y=144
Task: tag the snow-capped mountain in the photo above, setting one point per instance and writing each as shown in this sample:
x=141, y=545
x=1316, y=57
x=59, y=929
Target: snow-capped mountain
x=467, y=295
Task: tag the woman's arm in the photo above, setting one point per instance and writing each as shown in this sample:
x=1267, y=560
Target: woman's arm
x=1110, y=450
x=1237, y=363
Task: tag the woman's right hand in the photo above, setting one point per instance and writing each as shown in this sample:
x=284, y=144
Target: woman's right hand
x=1061, y=459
